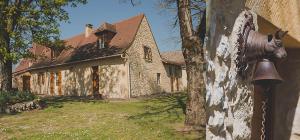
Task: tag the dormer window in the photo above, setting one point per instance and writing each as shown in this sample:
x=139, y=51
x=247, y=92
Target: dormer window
x=105, y=33
x=54, y=53
x=101, y=43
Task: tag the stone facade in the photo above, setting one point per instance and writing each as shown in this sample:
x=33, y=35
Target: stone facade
x=122, y=76
x=77, y=79
x=281, y=13
x=143, y=74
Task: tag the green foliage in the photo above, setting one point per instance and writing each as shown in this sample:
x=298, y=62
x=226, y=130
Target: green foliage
x=15, y=97
x=23, y=22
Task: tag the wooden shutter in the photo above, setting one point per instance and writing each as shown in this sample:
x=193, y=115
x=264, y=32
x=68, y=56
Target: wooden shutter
x=95, y=80
x=51, y=83
x=59, y=83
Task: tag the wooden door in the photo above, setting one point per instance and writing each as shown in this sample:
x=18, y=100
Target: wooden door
x=95, y=80
x=59, y=83
x=26, y=83
x=52, y=83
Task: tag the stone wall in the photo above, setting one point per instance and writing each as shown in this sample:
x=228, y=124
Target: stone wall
x=284, y=14
x=77, y=79
x=142, y=73
x=229, y=98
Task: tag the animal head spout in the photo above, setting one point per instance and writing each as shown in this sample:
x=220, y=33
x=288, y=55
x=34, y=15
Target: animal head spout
x=275, y=46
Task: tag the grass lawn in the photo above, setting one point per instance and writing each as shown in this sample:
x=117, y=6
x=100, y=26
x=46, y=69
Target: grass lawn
x=69, y=118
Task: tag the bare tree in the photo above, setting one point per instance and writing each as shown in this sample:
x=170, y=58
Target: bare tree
x=192, y=47
x=190, y=15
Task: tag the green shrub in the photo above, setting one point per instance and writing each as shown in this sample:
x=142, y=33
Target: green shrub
x=15, y=97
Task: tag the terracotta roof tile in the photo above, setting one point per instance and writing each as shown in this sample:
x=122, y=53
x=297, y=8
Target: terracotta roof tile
x=173, y=57
x=81, y=48
x=24, y=64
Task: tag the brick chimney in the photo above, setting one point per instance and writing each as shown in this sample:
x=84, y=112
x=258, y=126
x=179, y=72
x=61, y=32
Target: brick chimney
x=88, y=30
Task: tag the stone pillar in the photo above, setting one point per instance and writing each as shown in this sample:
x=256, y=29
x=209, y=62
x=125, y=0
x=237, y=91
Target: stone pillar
x=229, y=98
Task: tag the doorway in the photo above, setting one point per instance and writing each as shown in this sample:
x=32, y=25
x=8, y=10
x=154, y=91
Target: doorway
x=95, y=77
x=26, y=83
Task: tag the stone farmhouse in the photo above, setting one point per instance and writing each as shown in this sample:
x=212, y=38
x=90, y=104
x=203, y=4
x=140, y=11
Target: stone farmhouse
x=119, y=60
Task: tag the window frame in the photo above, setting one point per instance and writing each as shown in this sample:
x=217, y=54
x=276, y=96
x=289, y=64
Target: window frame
x=158, y=78
x=147, y=53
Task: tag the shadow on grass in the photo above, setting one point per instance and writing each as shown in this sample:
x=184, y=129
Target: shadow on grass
x=167, y=106
x=10, y=114
x=57, y=102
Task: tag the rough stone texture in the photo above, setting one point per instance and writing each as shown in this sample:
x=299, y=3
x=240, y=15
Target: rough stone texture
x=284, y=14
x=77, y=79
x=24, y=106
x=229, y=98
x=143, y=73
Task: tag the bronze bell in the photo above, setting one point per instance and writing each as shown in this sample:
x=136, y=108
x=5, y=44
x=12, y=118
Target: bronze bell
x=266, y=73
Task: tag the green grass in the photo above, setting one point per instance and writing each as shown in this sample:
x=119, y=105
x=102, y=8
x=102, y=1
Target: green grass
x=69, y=118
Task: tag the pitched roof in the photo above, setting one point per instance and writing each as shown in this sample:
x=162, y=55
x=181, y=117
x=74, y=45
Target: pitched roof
x=80, y=48
x=24, y=64
x=173, y=57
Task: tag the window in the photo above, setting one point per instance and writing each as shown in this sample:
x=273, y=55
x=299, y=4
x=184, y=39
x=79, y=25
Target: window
x=55, y=53
x=100, y=43
x=41, y=79
x=147, y=54
x=158, y=78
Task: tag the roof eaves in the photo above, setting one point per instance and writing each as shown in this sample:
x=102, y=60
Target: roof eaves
x=63, y=64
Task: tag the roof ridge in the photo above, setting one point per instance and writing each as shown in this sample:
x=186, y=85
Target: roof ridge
x=130, y=18
x=82, y=33
x=126, y=33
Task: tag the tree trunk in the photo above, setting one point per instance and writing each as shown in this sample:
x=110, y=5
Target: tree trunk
x=6, y=75
x=5, y=65
x=192, y=47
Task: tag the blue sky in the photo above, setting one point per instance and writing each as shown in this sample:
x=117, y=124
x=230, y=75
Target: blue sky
x=98, y=11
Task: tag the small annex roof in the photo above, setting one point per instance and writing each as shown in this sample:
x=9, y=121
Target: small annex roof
x=81, y=48
x=173, y=57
